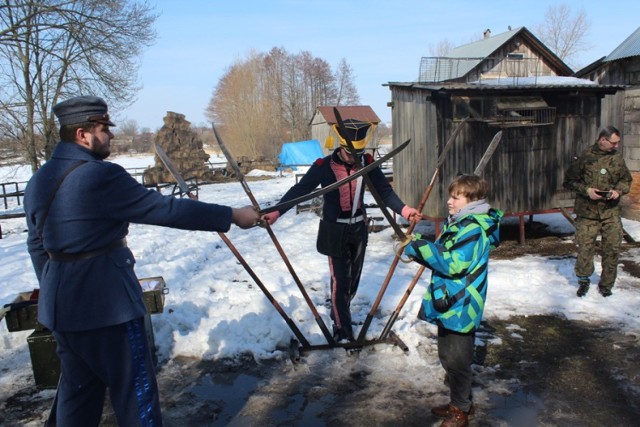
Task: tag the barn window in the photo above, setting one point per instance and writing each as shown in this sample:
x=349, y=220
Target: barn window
x=460, y=107
x=523, y=111
x=511, y=111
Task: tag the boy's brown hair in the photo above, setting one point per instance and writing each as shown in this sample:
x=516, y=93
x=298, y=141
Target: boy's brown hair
x=470, y=186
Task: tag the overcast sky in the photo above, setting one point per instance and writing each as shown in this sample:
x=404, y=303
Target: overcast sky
x=383, y=41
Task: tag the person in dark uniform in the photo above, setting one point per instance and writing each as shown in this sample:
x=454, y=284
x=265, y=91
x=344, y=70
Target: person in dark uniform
x=343, y=229
x=78, y=209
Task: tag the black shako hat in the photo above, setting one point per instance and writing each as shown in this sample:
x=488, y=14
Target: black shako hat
x=82, y=109
x=356, y=132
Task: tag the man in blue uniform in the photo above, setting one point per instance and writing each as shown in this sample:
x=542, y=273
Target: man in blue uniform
x=343, y=228
x=78, y=209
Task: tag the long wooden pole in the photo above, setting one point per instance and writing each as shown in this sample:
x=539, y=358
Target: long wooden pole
x=296, y=279
x=423, y=201
x=478, y=171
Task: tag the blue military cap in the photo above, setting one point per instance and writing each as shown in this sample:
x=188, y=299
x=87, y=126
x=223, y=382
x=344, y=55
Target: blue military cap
x=82, y=109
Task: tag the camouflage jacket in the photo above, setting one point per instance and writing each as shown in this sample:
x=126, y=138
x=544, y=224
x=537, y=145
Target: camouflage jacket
x=602, y=170
x=459, y=259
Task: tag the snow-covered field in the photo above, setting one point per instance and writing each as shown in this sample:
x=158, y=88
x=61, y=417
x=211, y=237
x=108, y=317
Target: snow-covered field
x=215, y=310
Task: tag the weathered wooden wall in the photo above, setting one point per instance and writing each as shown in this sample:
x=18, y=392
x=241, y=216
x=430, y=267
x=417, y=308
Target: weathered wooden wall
x=320, y=131
x=622, y=110
x=413, y=117
x=631, y=149
x=533, y=65
x=525, y=172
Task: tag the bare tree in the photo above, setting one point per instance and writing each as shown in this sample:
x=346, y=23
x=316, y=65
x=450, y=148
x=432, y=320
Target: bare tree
x=347, y=94
x=243, y=109
x=127, y=127
x=442, y=48
x=564, y=32
x=383, y=132
x=56, y=49
x=268, y=99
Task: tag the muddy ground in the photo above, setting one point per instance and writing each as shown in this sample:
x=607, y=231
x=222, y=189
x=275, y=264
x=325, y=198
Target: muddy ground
x=555, y=372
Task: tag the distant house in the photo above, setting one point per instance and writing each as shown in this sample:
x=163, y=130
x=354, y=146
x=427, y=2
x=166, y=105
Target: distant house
x=511, y=83
x=324, y=119
x=622, y=109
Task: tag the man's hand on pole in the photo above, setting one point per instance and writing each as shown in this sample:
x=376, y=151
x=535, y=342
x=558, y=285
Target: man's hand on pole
x=245, y=217
x=411, y=214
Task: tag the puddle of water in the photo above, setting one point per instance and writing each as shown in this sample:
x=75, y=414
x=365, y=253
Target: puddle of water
x=232, y=391
x=517, y=409
x=301, y=412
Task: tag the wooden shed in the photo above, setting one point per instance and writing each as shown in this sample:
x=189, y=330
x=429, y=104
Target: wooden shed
x=622, y=110
x=323, y=120
x=511, y=83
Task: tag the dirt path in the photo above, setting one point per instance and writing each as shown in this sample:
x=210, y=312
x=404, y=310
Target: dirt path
x=584, y=374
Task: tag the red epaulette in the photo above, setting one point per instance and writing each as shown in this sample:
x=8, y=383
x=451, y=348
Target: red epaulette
x=319, y=162
x=368, y=159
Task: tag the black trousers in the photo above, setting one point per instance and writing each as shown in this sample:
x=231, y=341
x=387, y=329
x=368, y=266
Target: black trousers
x=455, y=351
x=345, y=277
x=115, y=357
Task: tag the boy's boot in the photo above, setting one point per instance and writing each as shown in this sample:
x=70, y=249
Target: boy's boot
x=445, y=411
x=456, y=418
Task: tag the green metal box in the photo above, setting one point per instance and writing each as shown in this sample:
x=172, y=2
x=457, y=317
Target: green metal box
x=23, y=314
x=42, y=345
x=153, y=291
x=44, y=360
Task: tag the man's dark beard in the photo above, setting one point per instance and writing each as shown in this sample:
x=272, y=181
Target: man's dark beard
x=102, y=151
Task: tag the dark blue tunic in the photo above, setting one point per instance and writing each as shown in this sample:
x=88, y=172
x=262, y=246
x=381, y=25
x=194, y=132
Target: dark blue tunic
x=93, y=208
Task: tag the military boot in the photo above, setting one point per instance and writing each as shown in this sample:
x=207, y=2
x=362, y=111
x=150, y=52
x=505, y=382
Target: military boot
x=605, y=292
x=583, y=286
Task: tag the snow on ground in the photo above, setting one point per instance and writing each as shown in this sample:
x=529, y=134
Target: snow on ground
x=215, y=310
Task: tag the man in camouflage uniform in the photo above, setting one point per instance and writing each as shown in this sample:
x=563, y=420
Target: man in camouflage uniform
x=600, y=178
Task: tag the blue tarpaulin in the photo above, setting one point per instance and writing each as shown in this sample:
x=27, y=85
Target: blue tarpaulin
x=300, y=153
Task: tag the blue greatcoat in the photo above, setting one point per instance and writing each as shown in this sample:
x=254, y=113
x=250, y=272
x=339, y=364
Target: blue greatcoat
x=92, y=209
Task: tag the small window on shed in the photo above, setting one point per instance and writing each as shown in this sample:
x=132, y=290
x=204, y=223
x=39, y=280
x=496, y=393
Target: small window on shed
x=523, y=111
x=515, y=56
x=476, y=107
x=460, y=107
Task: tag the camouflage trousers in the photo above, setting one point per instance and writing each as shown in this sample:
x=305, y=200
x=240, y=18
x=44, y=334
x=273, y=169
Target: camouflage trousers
x=587, y=231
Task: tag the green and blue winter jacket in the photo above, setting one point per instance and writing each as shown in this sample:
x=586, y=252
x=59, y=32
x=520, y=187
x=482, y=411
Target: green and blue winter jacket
x=459, y=260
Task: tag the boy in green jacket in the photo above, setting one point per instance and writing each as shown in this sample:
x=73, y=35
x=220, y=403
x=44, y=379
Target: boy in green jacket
x=456, y=295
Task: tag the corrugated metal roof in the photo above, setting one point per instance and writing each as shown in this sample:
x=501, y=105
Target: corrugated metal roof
x=629, y=47
x=465, y=87
x=463, y=59
x=358, y=112
x=484, y=47
x=474, y=53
